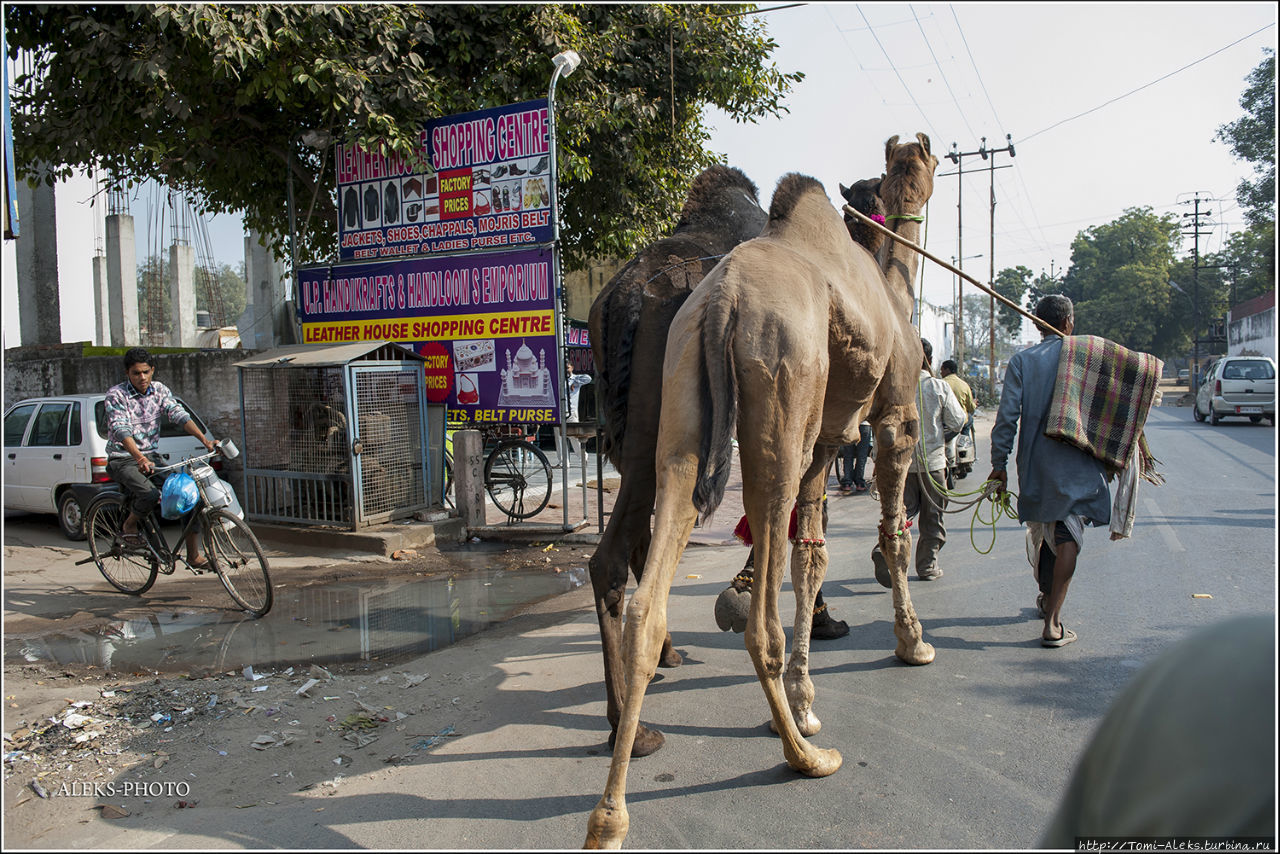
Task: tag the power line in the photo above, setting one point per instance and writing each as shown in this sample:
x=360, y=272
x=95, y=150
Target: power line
x=910, y=94
x=1146, y=85
x=945, y=79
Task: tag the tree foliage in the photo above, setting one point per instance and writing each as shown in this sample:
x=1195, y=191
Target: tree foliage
x=1250, y=255
x=215, y=99
x=1119, y=281
x=1012, y=284
x=1253, y=139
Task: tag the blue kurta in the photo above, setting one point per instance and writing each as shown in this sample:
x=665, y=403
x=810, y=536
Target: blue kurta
x=1055, y=479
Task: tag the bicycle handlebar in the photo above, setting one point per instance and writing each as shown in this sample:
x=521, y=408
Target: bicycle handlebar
x=191, y=460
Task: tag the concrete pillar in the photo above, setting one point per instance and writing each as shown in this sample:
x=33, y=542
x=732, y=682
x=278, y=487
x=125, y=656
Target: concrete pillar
x=468, y=477
x=122, y=281
x=101, y=303
x=182, y=296
x=39, y=309
x=262, y=276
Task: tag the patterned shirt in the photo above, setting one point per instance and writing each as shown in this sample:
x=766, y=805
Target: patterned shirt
x=130, y=413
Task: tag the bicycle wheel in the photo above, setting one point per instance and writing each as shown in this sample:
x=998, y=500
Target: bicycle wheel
x=129, y=569
x=237, y=558
x=518, y=478
x=448, y=480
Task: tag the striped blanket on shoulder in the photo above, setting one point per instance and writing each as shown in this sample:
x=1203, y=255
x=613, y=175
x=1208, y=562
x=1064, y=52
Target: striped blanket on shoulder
x=1101, y=399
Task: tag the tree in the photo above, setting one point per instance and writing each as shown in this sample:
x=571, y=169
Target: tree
x=215, y=100
x=1251, y=254
x=1012, y=284
x=1119, y=279
x=1253, y=139
x=225, y=302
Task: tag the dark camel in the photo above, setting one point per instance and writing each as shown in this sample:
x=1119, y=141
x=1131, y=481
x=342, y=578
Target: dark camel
x=628, y=322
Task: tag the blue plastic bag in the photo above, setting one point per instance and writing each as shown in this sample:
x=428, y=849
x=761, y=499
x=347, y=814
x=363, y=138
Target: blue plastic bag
x=179, y=495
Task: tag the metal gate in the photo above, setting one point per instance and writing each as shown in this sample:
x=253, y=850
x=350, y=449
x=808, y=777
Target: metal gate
x=336, y=435
x=389, y=448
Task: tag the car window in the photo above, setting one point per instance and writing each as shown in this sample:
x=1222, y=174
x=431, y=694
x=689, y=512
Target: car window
x=15, y=424
x=1250, y=370
x=77, y=432
x=1233, y=371
x=50, y=427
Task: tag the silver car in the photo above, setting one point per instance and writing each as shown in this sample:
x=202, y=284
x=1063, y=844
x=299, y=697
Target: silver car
x=1238, y=387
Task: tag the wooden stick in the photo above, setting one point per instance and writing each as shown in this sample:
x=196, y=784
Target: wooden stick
x=889, y=232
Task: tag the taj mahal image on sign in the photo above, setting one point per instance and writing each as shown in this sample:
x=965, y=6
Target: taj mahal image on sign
x=526, y=380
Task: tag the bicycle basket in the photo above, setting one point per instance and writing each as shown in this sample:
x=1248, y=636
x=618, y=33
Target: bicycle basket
x=179, y=495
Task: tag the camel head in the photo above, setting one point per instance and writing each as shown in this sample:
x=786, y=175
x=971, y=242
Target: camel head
x=908, y=180
x=864, y=197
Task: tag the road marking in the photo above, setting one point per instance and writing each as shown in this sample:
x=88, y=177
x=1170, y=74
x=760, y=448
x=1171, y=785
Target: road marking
x=1165, y=529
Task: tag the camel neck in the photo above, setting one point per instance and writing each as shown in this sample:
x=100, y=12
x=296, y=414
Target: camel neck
x=901, y=262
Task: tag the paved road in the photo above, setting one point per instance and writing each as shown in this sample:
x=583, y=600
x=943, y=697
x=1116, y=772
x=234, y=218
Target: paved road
x=972, y=751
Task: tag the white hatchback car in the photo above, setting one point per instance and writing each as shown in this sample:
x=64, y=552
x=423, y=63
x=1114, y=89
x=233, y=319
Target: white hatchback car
x=1238, y=387
x=51, y=443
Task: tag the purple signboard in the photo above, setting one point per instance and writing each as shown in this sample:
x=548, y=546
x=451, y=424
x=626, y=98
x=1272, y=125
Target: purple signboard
x=484, y=322
x=488, y=187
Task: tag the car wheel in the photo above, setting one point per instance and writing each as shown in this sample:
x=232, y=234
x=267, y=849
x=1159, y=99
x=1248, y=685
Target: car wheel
x=71, y=516
x=1213, y=415
x=1195, y=412
x=1256, y=419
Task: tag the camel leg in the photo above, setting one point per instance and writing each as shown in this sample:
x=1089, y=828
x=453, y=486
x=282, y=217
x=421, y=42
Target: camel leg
x=808, y=569
x=646, y=627
x=765, y=639
x=625, y=541
x=895, y=441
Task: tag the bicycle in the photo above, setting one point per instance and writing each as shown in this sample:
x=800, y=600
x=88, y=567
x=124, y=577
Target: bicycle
x=514, y=468
x=230, y=546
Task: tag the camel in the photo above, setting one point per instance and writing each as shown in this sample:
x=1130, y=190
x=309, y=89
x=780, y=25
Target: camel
x=792, y=338
x=628, y=324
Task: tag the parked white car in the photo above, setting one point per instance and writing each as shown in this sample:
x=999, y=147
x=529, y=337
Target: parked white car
x=51, y=443
x=1238, y=387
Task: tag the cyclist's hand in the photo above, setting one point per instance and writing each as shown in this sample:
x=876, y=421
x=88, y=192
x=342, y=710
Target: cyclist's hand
x=210, y=445
x=145, y=465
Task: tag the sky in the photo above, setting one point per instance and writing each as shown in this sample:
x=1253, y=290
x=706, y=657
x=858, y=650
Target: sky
x=1109, y=106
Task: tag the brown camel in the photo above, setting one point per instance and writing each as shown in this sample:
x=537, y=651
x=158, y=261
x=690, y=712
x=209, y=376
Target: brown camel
x=629, y=321
x=793, y=338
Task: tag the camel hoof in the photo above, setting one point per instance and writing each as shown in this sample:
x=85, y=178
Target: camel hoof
x=823, y=762
x=919, y=653
x=670, y=658
x=808, y=724
x=607, y=827
x=732, y=607
x=646, y=741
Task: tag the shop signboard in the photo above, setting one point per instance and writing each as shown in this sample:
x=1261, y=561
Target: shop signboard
x=488, y=187
x=485, y=322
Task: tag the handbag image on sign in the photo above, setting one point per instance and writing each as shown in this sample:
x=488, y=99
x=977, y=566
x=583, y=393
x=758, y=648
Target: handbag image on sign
x=467, y=393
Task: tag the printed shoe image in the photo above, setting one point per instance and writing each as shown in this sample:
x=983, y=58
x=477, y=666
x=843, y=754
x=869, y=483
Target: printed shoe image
x=540, y=166
x=515, y=169
x=500, y=171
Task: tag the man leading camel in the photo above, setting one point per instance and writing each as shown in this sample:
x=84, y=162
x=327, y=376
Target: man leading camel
x=1060, y=487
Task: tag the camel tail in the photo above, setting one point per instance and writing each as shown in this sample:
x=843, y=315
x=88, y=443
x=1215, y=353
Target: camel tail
x=719, y=396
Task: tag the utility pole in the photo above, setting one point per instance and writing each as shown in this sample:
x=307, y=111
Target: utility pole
x=1195, y=281
x=991, y=170
x=957, y=157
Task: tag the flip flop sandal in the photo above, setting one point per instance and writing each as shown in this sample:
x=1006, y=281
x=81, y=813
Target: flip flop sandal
x=201, y=564
x=1068, y=636
x=1040, y=606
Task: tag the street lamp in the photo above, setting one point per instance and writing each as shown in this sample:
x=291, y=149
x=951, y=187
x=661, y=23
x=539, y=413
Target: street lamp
x=566, y=62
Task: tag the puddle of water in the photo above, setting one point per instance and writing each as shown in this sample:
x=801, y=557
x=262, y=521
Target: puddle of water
x=377, y=622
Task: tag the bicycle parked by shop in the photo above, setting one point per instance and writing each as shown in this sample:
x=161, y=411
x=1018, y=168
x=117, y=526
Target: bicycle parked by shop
x=232, y=549
x=517, y=475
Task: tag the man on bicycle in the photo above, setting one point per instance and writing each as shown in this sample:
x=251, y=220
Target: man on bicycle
x=134, y=408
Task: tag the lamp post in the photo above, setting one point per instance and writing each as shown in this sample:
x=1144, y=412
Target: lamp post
x=565, y=62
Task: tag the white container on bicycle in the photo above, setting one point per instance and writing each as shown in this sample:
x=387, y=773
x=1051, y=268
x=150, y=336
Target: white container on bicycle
x=217, y=490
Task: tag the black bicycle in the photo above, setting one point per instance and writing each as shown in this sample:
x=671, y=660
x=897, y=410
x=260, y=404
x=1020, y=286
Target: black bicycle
x=132, y=563
x=517, y=475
